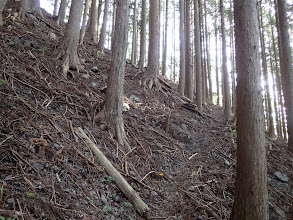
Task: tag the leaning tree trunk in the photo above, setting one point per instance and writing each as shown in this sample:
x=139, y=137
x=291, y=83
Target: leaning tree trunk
x=93, y=21
x=69, y=44
x=153, y=56
x=197, y=56
x=83, y=26
x=104, y=27
x=188, y=71
x=286, y=69
x=112, y=110
x=251, y=195
x=62, y=12
x=181, y=87
x=2, y=5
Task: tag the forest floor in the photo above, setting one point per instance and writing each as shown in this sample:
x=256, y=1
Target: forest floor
x=46, y=172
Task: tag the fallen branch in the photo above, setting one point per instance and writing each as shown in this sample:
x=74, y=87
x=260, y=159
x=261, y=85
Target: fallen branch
x=122, y=184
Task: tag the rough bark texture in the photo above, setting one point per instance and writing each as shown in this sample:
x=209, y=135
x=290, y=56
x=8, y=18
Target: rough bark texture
x=29, y=6
x=68, y=46
x=197, y=56
x=134, y=35
x=227, y=108
x=83, y=27
x=62, y=12
x=104, y=27
x=286, y=69
x=2, y=5
x=55, y=7
x=251, y=196
x=142, y=36
x=181, y=87
x=164, y=57
x=112, y=111
x=217, y=63
x=153, y=56
x=93, y=21
x=113, y=24
x=188, y=71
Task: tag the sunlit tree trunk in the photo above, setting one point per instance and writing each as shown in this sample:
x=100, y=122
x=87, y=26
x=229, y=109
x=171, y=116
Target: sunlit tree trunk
x=103, y=33
x=142, y=36
x=62, y=12
x=55, y=7
x=217, y=65
x=134, y=35
x=84, y=20
x=251, y=195
x=164, y=58
x=113, y=24
x=93, y=21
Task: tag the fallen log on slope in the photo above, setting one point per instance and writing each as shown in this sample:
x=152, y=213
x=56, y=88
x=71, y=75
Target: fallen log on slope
x=122, y=184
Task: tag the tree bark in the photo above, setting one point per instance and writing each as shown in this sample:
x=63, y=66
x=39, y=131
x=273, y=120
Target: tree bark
x=134, y=35
x=69, y=44
x=142, y=36
x=227, y=108
x=251, y=195
x=29, y=6
x=181, y=87
x=62, y=12
x=197, y=56
x=217, y=63
x=111, y=114
x=152, y=72
x=113, y=25
x=188, y=72
x=83, y=27
x=55, y=7
x=104, y=27
x=2, y=5
x=93, y=21
x=164, y=58
x=286, y=69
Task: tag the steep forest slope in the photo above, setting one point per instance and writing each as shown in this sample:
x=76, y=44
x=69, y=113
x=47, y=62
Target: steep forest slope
x=182, y=161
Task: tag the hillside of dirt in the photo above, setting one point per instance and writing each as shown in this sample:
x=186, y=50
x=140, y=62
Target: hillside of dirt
x=182, y=171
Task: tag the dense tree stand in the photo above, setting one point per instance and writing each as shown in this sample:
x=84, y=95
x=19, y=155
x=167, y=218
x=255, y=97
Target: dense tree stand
x=68, y=47
x=111, y=114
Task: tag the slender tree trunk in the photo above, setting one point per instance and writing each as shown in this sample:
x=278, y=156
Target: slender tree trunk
x=286, y=69
x=134, y=35
x=142, y=36
x=227, y=108
x=164, y=58
x=251, y=195
x=173, y=44
x=112, y=111
x=2, y=5
x=85, y=11
x=153, y=56
x=62, y=12
x=217, y=65
x=113, y=25
x=197, y=56
x=98, y=18
x=93, y=21
x=104, y=27
x=181, y=87
x=69, y=44
x=188, y=72
x=55, y=7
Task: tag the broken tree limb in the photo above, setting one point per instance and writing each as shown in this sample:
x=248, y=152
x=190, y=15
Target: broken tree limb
x=122, y=184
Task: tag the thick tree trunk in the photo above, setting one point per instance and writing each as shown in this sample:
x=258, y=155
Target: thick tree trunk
x=197, y=56
x=104, y=27
x=251, y=195
x=69, y=44
x=227, y=108
x=164, y=58
x=62, y=12
x=142, y=36
x=134, y=35
x=112, y=111
x=286, y=69
x=188, y=72
x=93, y=21
x=2, y=5
x=181, y=87
x=55, y=7
x=83, y=27
x=151, y=80
x=29, y=6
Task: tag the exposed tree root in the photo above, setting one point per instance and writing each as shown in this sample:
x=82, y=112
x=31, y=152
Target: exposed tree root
x=152, y=82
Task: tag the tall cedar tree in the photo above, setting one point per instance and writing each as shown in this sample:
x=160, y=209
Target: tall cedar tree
x=181, y=87
x=188, y=70
x=2, y=5
x=93, y=21
x=62, y=12
x=104, y=26
x=68, y=47
x=164, y=57
x=197, y=56
x=134, y=34
x=227, y=99
x=142, y=35
x=151, y=80
x=84, y=20
x=251, y=195
x=286, y=69
x=111, y=114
